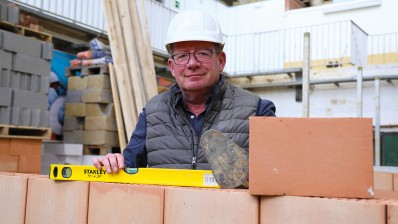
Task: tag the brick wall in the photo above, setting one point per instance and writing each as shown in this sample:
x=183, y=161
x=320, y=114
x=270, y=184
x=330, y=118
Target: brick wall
x=29, y=198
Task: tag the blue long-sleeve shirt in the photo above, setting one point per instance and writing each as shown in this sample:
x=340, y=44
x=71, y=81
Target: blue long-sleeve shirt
x=135, y=154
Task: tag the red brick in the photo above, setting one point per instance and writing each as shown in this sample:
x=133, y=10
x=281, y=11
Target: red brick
x=57, y=202
x=383, y=181
x=304, y=210
x=392, y=212
x=13, y=198
x=194, y=206
x=328, y=157
x=25, y=146
x=29, y=163
x=382, y=194
x=9, y=163
x=395, y=181
x=125, y=203
x=4, y=146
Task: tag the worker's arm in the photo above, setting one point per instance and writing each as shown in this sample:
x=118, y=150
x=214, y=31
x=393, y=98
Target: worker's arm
x=134, y=155
x=266, y=108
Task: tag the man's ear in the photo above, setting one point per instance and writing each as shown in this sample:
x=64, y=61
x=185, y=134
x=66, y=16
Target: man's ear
x=171, y=66
x=222, y=59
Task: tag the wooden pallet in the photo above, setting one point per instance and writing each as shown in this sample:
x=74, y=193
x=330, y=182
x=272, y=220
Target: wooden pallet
x=97, y=69
x=100, y=149
x=12, y=131
x=24, y=31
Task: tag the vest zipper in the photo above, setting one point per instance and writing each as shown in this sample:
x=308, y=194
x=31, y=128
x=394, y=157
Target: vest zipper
x=193, y=152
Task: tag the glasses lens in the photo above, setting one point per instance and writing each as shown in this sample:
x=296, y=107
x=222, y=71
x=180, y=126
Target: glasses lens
x=181, y=59
x=201, y=56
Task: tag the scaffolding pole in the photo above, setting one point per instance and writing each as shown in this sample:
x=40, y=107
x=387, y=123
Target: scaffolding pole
x=306, y=75
x=377, y=121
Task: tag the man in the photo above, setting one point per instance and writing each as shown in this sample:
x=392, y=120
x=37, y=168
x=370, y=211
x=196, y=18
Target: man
x=169, y=129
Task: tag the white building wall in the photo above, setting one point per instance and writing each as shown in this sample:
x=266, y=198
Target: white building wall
x=330, y=100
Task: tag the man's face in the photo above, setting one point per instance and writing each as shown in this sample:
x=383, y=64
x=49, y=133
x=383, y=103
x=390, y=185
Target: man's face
x=197, y=76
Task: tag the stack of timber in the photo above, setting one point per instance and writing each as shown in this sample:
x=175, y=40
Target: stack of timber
x=89, y=110
x=134, y=79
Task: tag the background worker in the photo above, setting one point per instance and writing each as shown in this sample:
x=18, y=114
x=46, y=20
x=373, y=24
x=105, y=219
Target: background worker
x=169, y=128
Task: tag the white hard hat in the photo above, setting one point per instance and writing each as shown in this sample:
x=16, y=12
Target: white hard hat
x=193, y=25
x=53, y=77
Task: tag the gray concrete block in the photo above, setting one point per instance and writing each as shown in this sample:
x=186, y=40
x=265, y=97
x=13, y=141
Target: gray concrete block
x=5, y=59
x=47, y=50
x=28, y=64
x=21, y=44
x=5, y=115
x=5, y=96
x=15, y=115
x=74, y=96
x=44, y=84
x=15, y=79
x=73, y=123
x=5, y=79
x=35, y=83
x=25, y=81
x=25, y=118
x=75, y=137
x=35, y=118
x=27, y=99
x=3, y=11
x=20, y=116
x=13, y=14
x=45, y=119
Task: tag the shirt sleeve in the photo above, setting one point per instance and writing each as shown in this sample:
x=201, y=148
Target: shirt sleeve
x=135, y=153
x=266, y=108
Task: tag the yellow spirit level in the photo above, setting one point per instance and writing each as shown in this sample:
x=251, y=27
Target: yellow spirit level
x=156, y=176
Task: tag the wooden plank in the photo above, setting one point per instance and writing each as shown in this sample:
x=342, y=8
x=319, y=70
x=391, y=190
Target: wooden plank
x=132, y=56
x=126, y=97
x=119, y=116
x=145, y=54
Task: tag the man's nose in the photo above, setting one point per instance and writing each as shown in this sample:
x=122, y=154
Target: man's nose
x=192, y=60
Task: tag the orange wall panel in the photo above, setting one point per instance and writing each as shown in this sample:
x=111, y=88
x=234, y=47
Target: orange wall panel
x=4, y=146
x=9, y=163
x=12, y=198
x=328, y=157
x=197, y=206
x=56, y=202
x=304, y=210
x=125, y=203
x=383, y=181
x=25, y=146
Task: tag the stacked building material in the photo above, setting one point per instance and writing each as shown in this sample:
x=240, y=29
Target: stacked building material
x=9, y=13
x=37, y=199
x=24, y=79
x=89, y=110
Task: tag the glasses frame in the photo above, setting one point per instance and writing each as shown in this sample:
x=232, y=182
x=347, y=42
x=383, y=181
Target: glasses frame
x=193, y=53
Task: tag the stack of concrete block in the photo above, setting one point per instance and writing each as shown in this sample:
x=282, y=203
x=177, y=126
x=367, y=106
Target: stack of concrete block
x=9, y=13
x=89, y=113
x=37, y=199
x=24, y=80
x=55, y=152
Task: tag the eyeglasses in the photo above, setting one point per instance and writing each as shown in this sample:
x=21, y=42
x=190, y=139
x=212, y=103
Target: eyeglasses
x=200, y=56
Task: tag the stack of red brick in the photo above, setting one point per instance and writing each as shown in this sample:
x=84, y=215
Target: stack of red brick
x=37, y=199
x=20, y=155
